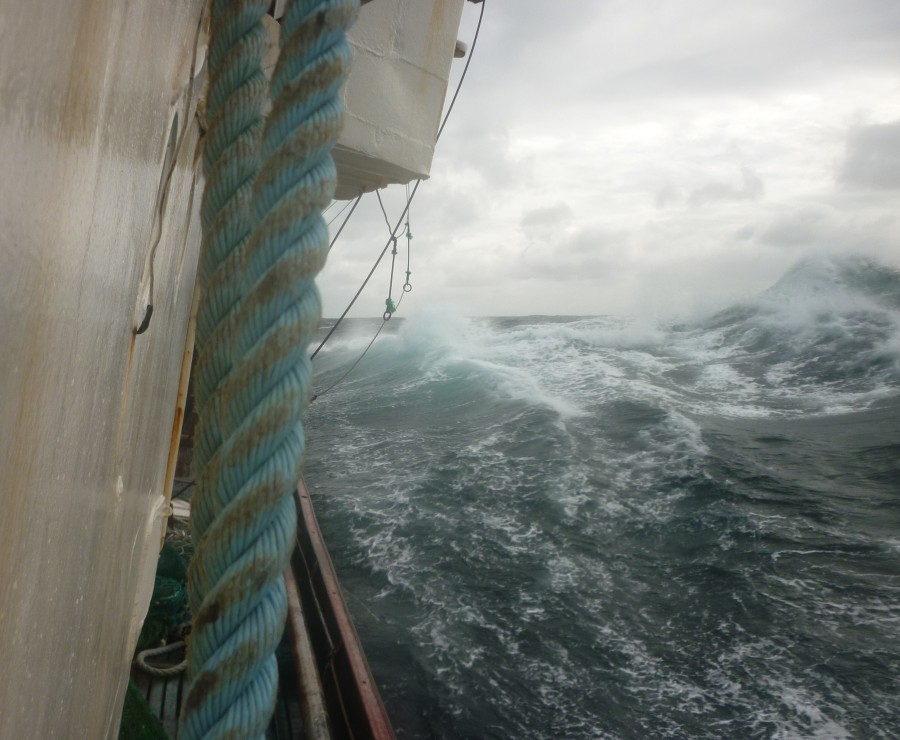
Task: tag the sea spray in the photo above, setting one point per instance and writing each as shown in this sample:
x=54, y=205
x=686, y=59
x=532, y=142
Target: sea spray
x=584, y=527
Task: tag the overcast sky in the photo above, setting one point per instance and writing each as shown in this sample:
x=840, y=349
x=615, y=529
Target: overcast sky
x=651, y=157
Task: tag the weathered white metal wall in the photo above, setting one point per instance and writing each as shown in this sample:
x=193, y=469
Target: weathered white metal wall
x=88, y=93
x=402, y=50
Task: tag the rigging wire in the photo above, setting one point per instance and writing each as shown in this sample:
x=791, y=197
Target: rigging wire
x=358, y=359
x=338, y=214
x=353, y=366
x=463, y=76
x=358, y=292
x=390, y=308
x=409, y=198
x=355, y=203
x=384, y=213
x=393, y=309
x=407, y=286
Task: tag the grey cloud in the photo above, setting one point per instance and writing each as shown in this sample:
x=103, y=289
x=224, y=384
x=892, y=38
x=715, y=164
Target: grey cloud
x=730, y=48
x=744, y=233
x=442, y=206
x=610, y=107
x=836, y=228
x=546, y=216
x=872, y=157
x=483, y=152
x=751, y=188
x=804, y=227
x=667, y=195
x=588, y=254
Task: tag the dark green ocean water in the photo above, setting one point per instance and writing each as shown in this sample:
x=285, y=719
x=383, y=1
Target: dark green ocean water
x=599, y=528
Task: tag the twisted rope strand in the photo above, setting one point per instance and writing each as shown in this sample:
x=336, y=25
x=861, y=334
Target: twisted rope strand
x=254, y=448
x=237, y=93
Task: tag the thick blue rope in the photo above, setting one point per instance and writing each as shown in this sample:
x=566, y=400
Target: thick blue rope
x=265, y=321
x=237, y=93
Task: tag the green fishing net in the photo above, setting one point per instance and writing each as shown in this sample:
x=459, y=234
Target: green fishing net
x=138, y=720
x=168, y=609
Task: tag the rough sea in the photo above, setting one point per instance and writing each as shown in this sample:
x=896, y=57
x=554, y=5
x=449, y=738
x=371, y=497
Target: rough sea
x=590, y=527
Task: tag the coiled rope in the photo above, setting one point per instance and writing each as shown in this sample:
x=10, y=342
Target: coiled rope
x=264, y=242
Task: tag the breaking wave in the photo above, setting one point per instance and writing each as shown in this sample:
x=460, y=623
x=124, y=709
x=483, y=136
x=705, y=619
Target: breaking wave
x=591, y=527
